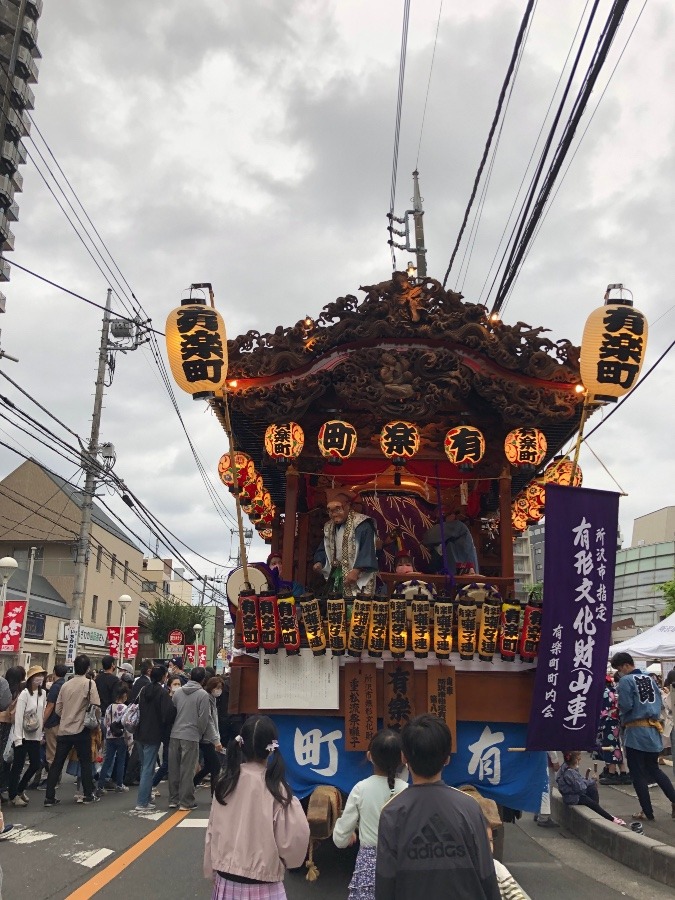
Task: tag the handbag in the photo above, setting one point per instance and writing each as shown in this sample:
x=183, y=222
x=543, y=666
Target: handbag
x=31, y=721
x=92, y=716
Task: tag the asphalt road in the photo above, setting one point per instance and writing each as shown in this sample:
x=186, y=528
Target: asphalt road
x=69, y=846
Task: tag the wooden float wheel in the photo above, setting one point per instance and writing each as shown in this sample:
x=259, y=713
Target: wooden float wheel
x=325, y=808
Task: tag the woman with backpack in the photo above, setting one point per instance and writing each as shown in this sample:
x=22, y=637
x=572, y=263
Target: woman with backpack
x=116, y=741
x=28, y=719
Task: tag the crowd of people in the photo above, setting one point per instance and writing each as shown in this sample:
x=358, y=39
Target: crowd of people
x=108, y=730
x=111, y=727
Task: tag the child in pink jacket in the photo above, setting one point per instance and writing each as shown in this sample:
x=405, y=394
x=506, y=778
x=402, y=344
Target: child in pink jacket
x=257, y=828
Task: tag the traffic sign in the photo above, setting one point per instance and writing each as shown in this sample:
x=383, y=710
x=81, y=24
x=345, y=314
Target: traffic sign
x=176, y=637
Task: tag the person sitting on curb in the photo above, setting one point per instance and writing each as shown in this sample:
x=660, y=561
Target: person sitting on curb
x=579, y=791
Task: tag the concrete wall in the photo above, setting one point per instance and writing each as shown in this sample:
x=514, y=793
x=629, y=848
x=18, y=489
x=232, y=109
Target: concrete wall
x=654, y=528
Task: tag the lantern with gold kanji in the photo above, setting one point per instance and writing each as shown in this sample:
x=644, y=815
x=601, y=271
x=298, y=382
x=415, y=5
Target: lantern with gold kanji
x=464, y=446
x=337, y=440
x=196, y=344
x=560, y=472
x=284, y=441
x=525, y=448
x=612, y=350
x=399, y=441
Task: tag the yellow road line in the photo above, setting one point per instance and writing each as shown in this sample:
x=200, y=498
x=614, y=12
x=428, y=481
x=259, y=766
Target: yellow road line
x=105, y=876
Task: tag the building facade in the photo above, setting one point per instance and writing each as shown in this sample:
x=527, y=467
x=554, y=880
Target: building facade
x=41, y=510
x=522, y=566
x=18, y=70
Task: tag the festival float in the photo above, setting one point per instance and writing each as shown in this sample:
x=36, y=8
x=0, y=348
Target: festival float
x=415, y=404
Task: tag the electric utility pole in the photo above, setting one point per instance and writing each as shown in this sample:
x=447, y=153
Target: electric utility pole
x=130, y=334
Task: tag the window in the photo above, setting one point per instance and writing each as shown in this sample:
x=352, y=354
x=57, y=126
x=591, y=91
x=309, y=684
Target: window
x=113, y=565
x=99, y=557
x=22, y=556
x=108, y=615
x=94, y=607
x=126, y=570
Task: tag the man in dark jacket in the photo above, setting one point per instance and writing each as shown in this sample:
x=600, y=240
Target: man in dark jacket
x=142, y=680
x=229, y=724
x=432, y=839
x=156, y=714
x=105, y=682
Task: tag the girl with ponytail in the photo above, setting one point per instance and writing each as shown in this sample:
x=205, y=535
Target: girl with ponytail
x=257, y=828
x=363, y=808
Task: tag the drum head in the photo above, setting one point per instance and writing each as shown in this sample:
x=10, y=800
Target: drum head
x=260, y=578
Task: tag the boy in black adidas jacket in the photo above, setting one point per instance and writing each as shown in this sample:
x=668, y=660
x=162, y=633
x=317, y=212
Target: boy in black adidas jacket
x=432, y=839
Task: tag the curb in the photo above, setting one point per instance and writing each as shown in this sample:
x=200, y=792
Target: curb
x=637, y=851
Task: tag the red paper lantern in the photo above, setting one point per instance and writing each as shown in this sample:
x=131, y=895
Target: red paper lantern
x=525, y=447
x=560, y=472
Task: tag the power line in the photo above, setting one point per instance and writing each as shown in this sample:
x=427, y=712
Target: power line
x=426, y=99
x=514, y=56
x=397, y=126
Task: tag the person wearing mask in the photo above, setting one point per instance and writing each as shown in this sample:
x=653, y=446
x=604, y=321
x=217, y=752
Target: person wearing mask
x=15, y=677
x=106, y=681
x=207, y=746
x=74, y=698
x=156, y=715
x=192, y=724
x=28, y=724
x=142, y=680
x=163, y=770
x=51, y=725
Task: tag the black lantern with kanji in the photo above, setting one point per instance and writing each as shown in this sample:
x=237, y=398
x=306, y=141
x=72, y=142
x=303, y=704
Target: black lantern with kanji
x=337, y=440
x=196, y=344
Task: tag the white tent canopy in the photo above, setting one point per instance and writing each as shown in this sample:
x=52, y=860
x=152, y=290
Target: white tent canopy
x=658, y=642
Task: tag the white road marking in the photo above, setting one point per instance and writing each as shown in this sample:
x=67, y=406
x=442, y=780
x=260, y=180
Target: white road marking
x=151, y=815
x=90, y=858
x=193, y=823
x=20, y=835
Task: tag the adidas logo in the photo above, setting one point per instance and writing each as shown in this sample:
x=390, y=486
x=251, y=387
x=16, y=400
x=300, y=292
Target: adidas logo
x=435, y=841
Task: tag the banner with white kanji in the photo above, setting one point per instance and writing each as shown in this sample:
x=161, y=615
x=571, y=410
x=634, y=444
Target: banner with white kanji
x=12, y=623
x=576, y=631
x=314, y=751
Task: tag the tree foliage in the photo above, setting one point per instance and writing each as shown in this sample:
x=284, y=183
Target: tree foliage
x=168, y=614
x=535, y=590
x=668, y=591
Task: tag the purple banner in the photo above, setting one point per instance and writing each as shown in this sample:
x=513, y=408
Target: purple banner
x=579, y=564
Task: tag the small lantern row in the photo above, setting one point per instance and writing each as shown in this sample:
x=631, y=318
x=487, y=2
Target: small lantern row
x=400, y=441
x=528, y=506
x=248, y=485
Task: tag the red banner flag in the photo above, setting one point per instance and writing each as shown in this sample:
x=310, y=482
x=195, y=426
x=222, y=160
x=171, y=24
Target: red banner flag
x=12, y=622
x=190, y=653
x=201, y=655
x=114, y=640
x=131, y=642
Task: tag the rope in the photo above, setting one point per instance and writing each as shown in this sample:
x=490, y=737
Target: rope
x=488, y=143
x=397, y=127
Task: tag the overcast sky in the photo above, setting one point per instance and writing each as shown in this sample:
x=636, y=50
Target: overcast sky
x=249, y=144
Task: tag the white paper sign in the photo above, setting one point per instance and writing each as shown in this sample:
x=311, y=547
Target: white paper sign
x=72, y=637
x=298, y=682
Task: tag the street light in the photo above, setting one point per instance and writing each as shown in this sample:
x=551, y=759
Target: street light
x=8, y=566
x=197, y=628
x=123, y=601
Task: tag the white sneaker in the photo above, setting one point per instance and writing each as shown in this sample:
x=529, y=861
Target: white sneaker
x=150, y=806
x=18, y=801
